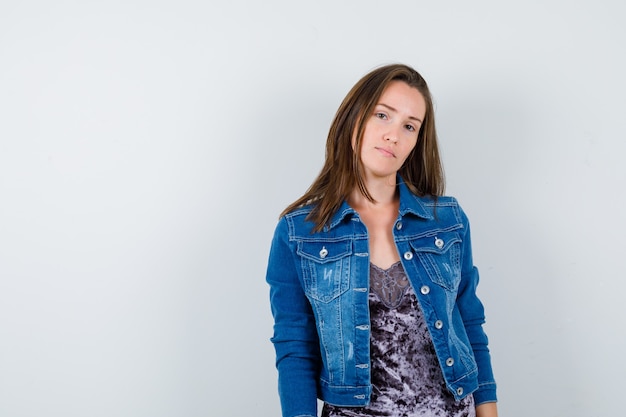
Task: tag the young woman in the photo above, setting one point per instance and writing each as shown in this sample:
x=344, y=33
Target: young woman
x=372, y=284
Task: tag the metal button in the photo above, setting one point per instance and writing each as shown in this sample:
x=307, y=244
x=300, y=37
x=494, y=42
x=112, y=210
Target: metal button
x=399, y=225
x=439, y=243
x=425, y=289
x=449, y=361
x=408, y=256
x=459, y=390
x=323, y=252
x=438, y=324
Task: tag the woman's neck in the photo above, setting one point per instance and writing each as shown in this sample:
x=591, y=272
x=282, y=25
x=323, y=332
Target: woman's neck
x=384, y=193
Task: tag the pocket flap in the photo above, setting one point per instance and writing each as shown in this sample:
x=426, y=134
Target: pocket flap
x=438, y=243
x=323, y=252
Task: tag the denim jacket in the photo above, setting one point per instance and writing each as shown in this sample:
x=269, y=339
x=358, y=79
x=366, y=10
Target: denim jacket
x=319, y=285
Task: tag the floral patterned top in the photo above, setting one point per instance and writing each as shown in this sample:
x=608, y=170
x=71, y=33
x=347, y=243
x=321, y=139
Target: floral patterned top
x=406, y=378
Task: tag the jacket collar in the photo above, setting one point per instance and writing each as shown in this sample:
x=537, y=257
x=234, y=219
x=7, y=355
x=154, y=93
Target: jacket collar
x=409, y=204
x=412, y=204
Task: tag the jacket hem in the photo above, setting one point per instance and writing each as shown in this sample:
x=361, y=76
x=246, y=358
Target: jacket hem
x=341, y=396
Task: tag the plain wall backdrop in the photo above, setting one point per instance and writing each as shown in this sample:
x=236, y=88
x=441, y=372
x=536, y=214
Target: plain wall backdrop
x=147, y=148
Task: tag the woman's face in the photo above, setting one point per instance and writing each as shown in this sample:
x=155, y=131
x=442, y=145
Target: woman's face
x=391, y=130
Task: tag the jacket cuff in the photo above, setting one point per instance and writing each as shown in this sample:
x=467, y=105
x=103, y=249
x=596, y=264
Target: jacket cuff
x=485, y=394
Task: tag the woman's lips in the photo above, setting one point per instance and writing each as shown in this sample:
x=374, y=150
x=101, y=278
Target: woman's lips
x=386, y=152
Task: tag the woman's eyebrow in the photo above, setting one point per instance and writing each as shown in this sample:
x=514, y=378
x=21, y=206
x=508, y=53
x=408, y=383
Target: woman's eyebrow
x=394, y=110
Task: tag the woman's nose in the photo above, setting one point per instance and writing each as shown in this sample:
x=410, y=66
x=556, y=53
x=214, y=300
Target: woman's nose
x=392, y=134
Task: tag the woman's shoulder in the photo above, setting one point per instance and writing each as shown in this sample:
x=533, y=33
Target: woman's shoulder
x=299, y=212
x=301, y=222
x=296, y=221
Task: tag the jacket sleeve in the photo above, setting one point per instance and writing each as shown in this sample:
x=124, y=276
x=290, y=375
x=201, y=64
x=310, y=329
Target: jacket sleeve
x=295, y=336
x=473, y=316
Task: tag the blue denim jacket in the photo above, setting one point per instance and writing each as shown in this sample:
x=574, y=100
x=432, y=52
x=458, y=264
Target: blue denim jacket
x=319, y=285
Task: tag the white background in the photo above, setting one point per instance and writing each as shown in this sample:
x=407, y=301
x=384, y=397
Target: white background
x=147, y=148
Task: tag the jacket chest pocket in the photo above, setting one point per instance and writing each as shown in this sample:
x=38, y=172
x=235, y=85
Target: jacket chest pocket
x=325, y=268
x=440, y=256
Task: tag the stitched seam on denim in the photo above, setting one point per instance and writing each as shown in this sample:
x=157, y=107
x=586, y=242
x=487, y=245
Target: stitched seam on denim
x=429, y=233
x=431, y=267
x=466, y=358
x=342, y=365
x=466, y=375
x=323, y=344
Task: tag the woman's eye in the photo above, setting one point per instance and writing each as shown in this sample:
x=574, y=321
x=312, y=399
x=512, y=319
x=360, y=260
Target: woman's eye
x=382, y=116
x=410, y=128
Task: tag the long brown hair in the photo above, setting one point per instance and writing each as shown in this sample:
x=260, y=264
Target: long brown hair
x=342, y=171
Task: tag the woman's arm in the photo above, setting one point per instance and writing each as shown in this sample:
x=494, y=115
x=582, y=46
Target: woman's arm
x=487, y=410
x=295, y=335
x=473, y=316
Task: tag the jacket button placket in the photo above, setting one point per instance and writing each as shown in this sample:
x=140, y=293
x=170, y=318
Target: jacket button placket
x=360, y=360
